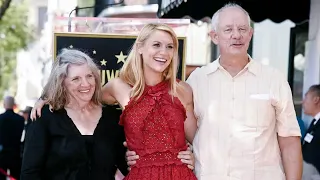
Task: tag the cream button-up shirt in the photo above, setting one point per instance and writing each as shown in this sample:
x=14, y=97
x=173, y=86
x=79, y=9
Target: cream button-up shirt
x=239, y=119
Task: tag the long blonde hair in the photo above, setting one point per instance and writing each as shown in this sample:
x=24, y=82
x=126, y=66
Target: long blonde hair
x=54, y=91
x=132, y=70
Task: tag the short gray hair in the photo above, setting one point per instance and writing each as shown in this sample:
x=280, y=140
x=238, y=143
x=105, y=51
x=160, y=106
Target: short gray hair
x=8, y=102
x=215, y=17
x=54, y=91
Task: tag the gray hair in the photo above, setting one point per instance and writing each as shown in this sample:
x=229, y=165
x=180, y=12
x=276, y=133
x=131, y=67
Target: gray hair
x=215, y=17
x=8, y=102
x=54, y=91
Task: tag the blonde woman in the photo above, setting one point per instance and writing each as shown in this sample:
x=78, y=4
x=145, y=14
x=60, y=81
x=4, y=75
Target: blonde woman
x=158, y=109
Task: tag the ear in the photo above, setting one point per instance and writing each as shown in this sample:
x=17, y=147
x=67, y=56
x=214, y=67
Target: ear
x=139, y=48
x=251, y=32
x=214, y=36
x=316, y=99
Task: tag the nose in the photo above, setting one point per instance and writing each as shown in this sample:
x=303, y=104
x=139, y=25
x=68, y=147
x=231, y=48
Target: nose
x=85, y=82
x=236, y=34
x=165, y=50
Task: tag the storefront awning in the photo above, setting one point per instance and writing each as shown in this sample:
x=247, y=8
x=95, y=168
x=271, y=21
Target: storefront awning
x=276, y=10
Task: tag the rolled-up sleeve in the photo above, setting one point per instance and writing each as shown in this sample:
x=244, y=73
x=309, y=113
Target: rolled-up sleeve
x=286, y=119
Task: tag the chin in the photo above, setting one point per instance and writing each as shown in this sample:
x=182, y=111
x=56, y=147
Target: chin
x=87, y=97
x=159, y=69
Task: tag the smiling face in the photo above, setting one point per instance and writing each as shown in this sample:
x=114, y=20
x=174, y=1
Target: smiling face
x=233, y=34
x=80, y=83
x=157, y=52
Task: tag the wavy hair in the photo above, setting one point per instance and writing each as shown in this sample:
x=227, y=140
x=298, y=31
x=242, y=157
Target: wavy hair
x=55, y=92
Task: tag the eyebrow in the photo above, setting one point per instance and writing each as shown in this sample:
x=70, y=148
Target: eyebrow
x=161, y=42
x=78, y=75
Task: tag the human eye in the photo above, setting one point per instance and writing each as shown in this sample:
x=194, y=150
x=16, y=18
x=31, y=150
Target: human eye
x=170, y=47
x=75, y=79
x=90, y=76
x=228, y=30
x=156, y=45
x=243, y=29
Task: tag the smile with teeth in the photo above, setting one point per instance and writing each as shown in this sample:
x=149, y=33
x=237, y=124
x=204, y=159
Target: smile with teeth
x=162, y=60
x=84, y=91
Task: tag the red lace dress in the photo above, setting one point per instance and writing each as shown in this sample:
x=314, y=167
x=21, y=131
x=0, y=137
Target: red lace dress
x=154, y=128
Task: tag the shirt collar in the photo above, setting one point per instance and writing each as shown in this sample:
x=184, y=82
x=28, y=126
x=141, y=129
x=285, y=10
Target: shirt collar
x=252, y=66
x=317, y=117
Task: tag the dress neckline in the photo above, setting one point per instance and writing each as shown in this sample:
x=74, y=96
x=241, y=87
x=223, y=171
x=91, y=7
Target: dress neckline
x=158, y=87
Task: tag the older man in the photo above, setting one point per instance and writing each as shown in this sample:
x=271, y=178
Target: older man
x=247, y=124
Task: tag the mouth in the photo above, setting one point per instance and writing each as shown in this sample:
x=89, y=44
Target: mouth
x=160, y=60
x=237, y=45
x=84, y=91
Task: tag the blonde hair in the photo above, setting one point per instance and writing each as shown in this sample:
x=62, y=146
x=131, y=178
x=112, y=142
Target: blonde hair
x=55, y=92
x=132, y=70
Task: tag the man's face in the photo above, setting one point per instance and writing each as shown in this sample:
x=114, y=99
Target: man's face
x=233, y=34
x=309, y=103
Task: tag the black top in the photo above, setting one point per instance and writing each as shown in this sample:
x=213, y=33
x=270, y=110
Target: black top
x=11, y=127
x=56, y=150
x=310, y=150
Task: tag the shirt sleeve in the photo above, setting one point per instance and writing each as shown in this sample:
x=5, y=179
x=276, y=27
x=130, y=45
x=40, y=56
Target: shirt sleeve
x=286, y=119
x=192, y=81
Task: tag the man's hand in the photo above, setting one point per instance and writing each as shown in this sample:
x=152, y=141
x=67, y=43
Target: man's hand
x=187, y=157
x=131, y=157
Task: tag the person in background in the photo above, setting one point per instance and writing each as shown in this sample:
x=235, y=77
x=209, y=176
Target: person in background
x=311, y=140
x=11, y=127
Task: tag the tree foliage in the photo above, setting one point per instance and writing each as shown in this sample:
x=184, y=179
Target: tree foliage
x=15, y=34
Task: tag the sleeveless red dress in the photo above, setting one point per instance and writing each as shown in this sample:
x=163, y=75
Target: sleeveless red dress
x=154, y=128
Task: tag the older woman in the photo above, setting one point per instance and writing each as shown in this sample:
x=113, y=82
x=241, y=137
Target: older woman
x=76, y=138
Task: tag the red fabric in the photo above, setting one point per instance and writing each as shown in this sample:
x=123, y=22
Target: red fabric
x=154, y=128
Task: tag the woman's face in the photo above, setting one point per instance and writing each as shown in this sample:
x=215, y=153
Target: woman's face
x=80, y=83
x=157, y=52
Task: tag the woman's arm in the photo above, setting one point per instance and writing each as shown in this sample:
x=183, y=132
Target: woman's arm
x=116, y=91
x=186, y=97
x=35, y=150
x=109, y=93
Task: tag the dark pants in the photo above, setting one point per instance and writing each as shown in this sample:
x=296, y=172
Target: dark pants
x=12, y=162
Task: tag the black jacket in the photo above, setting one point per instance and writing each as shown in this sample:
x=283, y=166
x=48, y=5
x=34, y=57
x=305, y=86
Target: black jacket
x=55, y=149
x=311, y=150
x=11, y=127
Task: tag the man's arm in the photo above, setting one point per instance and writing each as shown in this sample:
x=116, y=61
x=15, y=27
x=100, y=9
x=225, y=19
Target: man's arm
x=288, y=129
x=291, y=156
